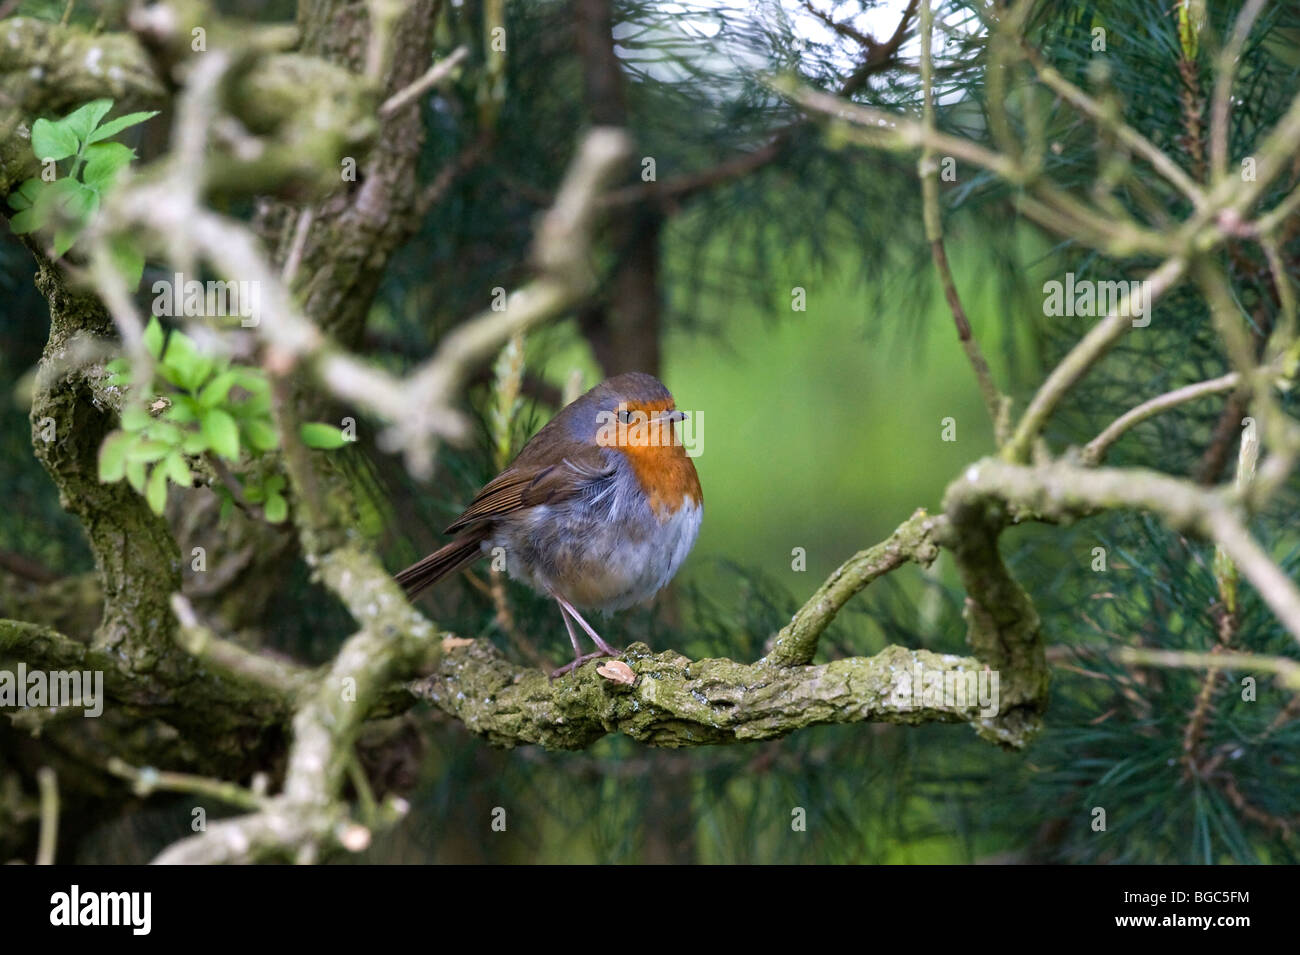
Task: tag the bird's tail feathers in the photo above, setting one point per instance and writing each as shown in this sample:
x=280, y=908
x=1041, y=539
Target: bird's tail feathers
x=441, y=563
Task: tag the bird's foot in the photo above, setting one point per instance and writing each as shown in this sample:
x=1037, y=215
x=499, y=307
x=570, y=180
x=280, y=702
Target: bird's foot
x=604, y=651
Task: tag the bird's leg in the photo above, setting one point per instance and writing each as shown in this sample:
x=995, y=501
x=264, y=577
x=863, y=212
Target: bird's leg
x=578, y=658
x=573, y=637
x=605, y=648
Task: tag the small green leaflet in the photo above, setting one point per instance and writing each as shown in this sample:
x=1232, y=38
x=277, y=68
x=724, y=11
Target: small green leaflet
x=66, y=204
x=323, y=436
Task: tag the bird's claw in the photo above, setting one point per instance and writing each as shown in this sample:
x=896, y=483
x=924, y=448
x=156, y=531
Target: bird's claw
x=605, y=651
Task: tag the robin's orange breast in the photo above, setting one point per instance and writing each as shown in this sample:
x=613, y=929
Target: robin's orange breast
x=664, y=471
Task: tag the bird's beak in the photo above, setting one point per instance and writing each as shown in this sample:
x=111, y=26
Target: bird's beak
x=671, y=416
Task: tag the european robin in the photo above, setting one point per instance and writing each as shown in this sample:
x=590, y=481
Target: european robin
x=598, y=511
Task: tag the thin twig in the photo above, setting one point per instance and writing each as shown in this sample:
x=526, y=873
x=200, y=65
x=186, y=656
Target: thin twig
x=1280, y=432
x=1268, y=223
x=47, y=841
x=1284, y=335
x=1223, y=81
x=284, y=679
x=1123, y=132
x=148, y=780
x=994, y=402
x=1058, y=490
x=671, y=193
x=231, y=484
x=26, y=568
x=296, y=249
x=1095, y=450
x=384, y=14
x=1048, y=205
x=448, y=174
x=434, y=75
x=365, y=795
x=1286, y=669
x=1083, y=356
x=913, y=540
x=843, y=29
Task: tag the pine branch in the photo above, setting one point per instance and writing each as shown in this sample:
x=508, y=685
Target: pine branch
x=995, y=402
x=1096, y=449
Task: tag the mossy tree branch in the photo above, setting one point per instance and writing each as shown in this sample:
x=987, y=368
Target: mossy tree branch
x=914, y=540
x=677, y=702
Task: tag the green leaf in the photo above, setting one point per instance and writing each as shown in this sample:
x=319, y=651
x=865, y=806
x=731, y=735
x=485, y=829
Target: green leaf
x=261, y=435
x=164, y=431
x=177, y=470
x=274, y=483
x=254, y=381
x=104, y=162
x=24, y=197
x=115, y=126
x=25, y=222
x=76, y=200
x=194, y=443
x=75, y=203
x=216, y=390
x=156, y=492
x=112, y=457
x=222, y=433
x=53, y=140
x=147, y=451
x=323, y=436
x=135, y=418
x=183, y=364
x=127, y=260
x=85, y=118
x=258, y=406
x=135, y=475
x=153, y=337
x=64, y=238
x=59, y=189
x=184, y=410
x=276, y=508
x=251, y=379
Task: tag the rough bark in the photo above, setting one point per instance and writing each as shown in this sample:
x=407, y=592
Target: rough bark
x=677, y=702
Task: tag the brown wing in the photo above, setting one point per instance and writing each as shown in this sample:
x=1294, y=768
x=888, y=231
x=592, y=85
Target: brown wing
x=525, y=484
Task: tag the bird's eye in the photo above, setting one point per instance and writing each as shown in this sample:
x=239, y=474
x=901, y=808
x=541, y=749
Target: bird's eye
x=624, y=415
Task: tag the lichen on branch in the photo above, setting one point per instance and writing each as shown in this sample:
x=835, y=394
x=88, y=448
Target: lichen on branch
x=675, y=701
